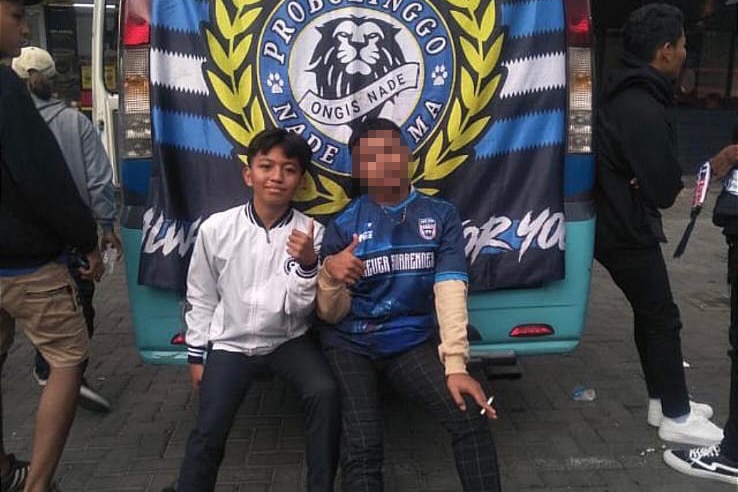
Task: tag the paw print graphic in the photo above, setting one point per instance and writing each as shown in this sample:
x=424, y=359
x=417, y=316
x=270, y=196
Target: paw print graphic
x=440, y=74
x=275, y=83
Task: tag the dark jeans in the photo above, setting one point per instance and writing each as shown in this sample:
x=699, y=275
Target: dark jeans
x=418, y=374
x=85, y=291
x=641, y=275
x=729, y=446
x=228, y=377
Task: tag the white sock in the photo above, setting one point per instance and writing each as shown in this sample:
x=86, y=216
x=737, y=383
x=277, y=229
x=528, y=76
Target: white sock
x=681, y=419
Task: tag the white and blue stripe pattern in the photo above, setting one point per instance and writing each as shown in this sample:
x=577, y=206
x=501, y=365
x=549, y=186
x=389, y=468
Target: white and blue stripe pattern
x=190, y=132
x=178, y=74
x=180, y=15
x=522, y=133
x=531, y=17
x=535, y=28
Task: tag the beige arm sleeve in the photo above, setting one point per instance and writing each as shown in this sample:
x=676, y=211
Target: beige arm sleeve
x=453, y=319
x=333, y=300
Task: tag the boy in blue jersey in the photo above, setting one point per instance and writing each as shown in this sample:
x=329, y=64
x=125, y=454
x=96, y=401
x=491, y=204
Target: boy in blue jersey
x=389, y=258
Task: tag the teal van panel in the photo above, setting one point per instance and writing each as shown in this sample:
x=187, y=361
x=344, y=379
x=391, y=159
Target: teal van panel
x=561, y=304
x=155, y=312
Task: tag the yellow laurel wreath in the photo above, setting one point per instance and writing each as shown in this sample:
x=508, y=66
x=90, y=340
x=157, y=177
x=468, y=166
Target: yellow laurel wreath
x=464, y=125
x=242, y=116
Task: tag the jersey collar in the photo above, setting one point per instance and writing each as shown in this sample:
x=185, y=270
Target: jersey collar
x=394, y=208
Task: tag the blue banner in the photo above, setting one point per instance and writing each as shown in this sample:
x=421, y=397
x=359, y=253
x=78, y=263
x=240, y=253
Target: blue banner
x=477, y=87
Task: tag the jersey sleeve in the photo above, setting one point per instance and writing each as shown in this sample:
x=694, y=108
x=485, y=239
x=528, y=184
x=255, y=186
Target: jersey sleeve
x=451, y=260
x=335, y=239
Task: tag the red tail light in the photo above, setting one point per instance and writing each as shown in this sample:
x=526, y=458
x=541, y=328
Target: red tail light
x=578, y=23
x=178, y=339
x=529, y=331
x=136, y=18
x=579, y=67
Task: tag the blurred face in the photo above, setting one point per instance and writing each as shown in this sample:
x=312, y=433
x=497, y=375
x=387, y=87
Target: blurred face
x=14, y=29
x=274, y=177
x=380, y=160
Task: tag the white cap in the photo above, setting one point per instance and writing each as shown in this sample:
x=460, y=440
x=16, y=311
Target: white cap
x=32, y=58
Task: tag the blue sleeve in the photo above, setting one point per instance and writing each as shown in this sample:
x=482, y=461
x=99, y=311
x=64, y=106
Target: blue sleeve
x=334, y=239
x=451, y=260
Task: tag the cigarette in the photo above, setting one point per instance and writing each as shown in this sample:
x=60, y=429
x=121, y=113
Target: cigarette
x=489, y=402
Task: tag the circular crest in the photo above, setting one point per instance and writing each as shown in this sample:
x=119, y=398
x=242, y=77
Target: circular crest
x=324, y=68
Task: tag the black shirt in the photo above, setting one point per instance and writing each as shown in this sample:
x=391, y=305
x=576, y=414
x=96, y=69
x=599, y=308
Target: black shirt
x=634, y=139
x=41, y=211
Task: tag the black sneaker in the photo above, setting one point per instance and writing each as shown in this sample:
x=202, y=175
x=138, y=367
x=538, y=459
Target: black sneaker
x=15, y=479
x=92, y=400
x=704, y=462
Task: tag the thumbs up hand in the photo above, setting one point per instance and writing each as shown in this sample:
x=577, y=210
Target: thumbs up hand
x=344, y=266
x=301, y=246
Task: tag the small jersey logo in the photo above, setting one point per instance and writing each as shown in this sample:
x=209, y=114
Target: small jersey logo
x=366, y=235
x=427, y=228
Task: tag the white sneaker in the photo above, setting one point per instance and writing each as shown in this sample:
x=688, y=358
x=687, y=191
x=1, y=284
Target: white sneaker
x=695, y=431
x=655, y=415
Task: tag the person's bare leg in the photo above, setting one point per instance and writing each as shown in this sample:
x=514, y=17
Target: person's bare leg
x=55, y=415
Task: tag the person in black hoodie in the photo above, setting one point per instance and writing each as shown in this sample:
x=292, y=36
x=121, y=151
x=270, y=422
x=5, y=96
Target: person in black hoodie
x=41, y=214
x=638, y=173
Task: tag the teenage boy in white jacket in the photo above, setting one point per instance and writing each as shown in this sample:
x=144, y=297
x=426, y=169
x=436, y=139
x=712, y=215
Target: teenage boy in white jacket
x=251, y=287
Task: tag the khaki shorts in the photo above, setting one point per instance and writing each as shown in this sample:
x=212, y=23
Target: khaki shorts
x=44, y=303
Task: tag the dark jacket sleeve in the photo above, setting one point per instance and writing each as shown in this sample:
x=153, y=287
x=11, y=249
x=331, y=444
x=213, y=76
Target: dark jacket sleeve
x=35, y=164
x=650, y=148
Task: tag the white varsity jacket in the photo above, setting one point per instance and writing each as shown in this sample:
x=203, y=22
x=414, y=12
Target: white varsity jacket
x=245, y=293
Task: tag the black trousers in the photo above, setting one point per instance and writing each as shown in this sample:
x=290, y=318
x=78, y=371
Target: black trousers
x=641, y=275
x=729, y=446
x=85, y=294
x=226, y=380
x=418, y=374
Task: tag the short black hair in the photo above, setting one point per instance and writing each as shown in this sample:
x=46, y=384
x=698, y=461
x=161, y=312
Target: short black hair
x=292, y=144
x=650, y=27
x=363, y=128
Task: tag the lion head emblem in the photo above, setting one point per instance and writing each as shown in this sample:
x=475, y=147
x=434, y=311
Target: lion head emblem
x=352, y=53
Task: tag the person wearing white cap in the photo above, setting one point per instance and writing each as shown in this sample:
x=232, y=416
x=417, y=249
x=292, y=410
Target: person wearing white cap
x=41, y=214
x=93, y=175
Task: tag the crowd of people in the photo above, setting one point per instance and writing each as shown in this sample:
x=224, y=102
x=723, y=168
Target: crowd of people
x=332, y=309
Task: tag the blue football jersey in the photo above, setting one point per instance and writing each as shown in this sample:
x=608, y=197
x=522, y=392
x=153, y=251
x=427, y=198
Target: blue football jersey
x=406, y=249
